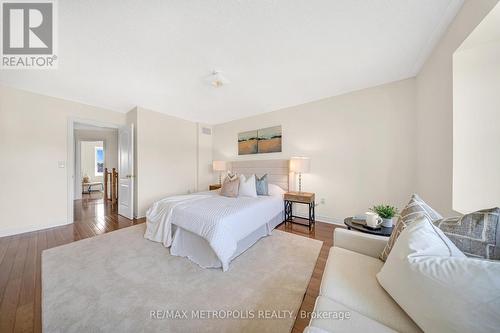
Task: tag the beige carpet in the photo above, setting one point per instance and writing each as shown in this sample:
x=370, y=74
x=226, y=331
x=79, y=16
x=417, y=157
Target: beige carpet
x=113, y=283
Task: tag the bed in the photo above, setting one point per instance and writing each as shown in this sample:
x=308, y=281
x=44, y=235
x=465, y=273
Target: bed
x=211, y=230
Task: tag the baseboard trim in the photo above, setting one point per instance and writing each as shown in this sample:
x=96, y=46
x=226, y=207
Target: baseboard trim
x=31, y=228
x=326, y=219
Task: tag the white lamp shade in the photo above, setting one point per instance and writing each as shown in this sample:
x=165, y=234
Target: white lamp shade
x=300, y=164
x=219, y=165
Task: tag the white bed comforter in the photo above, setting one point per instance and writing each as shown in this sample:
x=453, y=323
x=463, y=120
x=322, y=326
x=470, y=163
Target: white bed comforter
x=221, y=221
x=159, y=217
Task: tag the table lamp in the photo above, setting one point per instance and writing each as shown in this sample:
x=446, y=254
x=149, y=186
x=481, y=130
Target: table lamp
x=300, y=165
x=219, y=166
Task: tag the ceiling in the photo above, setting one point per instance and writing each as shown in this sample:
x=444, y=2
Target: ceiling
x=276, y=53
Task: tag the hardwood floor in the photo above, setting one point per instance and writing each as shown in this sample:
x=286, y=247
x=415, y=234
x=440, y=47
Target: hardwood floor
x=20, y=261
x=324, y=233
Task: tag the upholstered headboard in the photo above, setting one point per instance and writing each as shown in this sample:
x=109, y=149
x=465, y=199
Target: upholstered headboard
x=278, y=171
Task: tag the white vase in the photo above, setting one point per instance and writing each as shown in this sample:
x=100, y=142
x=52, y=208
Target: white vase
x=387, y=223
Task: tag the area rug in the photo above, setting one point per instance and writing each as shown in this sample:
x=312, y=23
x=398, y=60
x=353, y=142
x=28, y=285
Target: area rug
x=120, y=282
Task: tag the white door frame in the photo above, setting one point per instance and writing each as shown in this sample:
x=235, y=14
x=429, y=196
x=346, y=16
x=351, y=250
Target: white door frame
x=70, y=163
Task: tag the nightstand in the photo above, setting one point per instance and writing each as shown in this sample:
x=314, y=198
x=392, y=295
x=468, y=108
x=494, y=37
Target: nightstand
x=306, y=198
x=214, y=187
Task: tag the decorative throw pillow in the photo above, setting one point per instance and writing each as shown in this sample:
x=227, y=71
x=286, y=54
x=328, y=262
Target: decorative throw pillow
x=230, y=187
x=231, y=176
x=261, y=185
x=476, y=234
x=414, y=209
x=247, y=186
x=439, y=287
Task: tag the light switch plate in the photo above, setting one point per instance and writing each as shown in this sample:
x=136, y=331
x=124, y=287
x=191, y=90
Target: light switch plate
x=61, y=164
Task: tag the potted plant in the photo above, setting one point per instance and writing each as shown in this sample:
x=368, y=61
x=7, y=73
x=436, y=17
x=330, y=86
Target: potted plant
x=386, y=213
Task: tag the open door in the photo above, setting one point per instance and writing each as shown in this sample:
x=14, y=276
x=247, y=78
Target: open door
x=126, y=171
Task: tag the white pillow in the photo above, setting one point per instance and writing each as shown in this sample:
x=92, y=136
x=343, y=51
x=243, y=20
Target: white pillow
x=274, y=189
x=437, y=286
x=247, y=187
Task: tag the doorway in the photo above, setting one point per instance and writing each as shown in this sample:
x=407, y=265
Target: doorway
x=91, y=170
x=95, y=152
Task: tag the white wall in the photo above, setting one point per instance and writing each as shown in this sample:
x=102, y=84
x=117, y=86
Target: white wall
x=476, y=134
x=166, y=157
x=172, y=157
x=110, y=138
x=435, y=110
x=360, y=145
x=205, y=158
x=33, y=139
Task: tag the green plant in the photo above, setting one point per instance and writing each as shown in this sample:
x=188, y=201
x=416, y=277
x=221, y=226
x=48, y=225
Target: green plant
x=385, y=211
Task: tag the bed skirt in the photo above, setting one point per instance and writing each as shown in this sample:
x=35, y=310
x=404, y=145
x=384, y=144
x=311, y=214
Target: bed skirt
x=189, y=245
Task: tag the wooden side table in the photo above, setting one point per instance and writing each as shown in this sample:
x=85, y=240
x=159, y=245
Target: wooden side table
x=301, y=198
x=214, y=187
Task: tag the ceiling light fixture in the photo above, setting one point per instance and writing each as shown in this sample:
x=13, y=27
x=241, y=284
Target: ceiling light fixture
x=217, y=79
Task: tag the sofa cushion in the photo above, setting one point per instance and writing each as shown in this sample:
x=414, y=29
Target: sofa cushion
x=350, y=279
x=476, y=234
x=414, y=209
x=442, y=290
x=360, y=242
x=332, y=316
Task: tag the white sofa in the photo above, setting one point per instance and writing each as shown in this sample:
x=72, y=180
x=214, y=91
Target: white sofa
x=350, y=288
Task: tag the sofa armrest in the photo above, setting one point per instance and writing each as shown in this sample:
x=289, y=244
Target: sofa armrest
x=356, y=241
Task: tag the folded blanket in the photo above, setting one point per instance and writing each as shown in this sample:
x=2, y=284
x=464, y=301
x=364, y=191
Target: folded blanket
x=158, y=217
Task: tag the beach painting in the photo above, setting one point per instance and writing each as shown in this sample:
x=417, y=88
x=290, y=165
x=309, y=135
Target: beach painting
x=265, y=140
x=269, y=140
x=247, y=143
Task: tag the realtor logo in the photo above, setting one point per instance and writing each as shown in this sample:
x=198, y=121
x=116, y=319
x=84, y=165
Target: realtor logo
x=28, y=34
